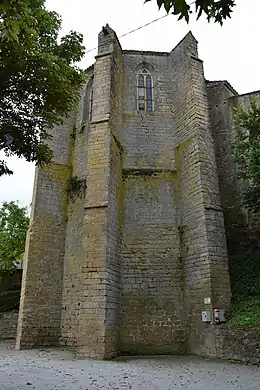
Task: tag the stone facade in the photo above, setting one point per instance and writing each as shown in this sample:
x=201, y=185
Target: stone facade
x=238, y=345
x=124, y=265
x=240, y=226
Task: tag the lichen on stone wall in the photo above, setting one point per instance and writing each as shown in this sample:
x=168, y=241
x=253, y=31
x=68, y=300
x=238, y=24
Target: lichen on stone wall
x=76, y=187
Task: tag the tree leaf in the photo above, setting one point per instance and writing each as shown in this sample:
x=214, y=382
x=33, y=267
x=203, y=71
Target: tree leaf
x=213, y=10
x=14, y=223
x=39, y=81
x=246, y=152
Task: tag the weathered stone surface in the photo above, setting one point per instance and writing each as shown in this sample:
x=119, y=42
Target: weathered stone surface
x=124, y=265
x=238, y=345
x=8, y=325
x=239, y=225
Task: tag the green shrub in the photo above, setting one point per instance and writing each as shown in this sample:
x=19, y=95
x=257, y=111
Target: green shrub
x=245, y=312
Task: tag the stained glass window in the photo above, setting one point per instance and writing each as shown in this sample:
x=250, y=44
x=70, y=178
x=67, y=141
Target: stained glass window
x=144, y=91
x=141, y=81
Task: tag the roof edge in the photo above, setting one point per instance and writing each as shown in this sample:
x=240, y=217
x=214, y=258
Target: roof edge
x=143, y=52
x=247, y=93
x=223, y=82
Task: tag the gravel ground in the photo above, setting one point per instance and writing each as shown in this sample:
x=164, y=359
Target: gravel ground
x=56, y=369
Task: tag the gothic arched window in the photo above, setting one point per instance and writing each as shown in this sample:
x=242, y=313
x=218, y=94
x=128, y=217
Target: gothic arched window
x=144, y=91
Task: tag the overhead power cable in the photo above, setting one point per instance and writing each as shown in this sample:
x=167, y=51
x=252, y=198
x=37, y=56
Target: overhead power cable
x=136, y=29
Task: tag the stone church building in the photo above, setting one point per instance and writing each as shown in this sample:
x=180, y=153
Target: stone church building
x=127, y=244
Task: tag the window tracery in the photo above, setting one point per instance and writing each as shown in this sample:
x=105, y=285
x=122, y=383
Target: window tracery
x=144, y=91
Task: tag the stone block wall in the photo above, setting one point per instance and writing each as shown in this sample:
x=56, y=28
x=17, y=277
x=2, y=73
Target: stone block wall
x=135, y=255
x=253, y=219
x=39, y=319
x=220, y=95
x=73, y=256
x=147, y=138
x=113, y=259
x=242, y=227
x=200, y=216
x=8, y=325
x=175, y=139
x=100, y=272
x=151, y=317
x=152, y=313
x=238, y=345
x=10, y=282
x=10, y=287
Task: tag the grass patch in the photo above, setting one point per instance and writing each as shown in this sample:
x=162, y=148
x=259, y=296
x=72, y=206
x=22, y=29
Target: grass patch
x=245, y=312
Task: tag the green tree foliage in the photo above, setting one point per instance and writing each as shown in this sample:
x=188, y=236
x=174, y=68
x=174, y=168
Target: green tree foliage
x=247, y=152
x=212, y=9
x=14, y=223
x=39, y=81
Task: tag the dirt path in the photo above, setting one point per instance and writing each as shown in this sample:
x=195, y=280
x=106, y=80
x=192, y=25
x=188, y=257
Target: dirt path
x=55, y=369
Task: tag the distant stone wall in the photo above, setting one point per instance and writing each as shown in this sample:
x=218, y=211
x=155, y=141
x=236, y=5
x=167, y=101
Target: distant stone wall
x=8, y=325
x=253, y=219
x=219, y=95
x=240, y=226
x=10, y=286
x=10, y=282
x=238, y=345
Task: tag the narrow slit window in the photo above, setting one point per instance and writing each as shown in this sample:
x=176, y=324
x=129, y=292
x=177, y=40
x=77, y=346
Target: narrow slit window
x=90, y=104
x=144, y=91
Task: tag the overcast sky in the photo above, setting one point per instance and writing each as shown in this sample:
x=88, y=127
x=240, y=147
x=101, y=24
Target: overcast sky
x=230, y=52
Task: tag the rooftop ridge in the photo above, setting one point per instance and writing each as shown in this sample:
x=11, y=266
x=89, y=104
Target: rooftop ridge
x=148, y=52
